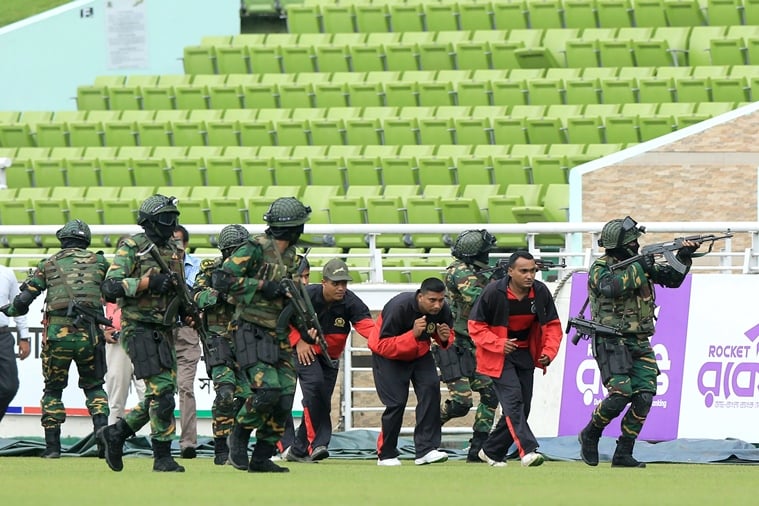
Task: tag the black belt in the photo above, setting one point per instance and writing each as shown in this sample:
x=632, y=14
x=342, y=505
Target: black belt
x=4, y=328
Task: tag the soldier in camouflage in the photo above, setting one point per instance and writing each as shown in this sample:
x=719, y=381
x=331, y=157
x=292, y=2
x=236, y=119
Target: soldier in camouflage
x=149, y=311
x=252, y=275
x=624, y=299
x=219, y=350
x=464, y=281
x=71, y=277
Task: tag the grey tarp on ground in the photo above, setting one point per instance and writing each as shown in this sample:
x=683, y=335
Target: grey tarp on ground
x=361, y=444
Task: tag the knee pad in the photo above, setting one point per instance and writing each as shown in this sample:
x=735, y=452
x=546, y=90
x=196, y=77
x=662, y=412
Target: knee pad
x=456, y=409
x=488, y=397
x=264, y=398
x=641, y=403
x=615, y=403
x=225, y=395
x=165, y=405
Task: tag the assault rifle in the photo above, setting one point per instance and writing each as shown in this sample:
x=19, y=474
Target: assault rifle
x=588, y=329
x=186, y=301
x=669, y=250
x=300, y=303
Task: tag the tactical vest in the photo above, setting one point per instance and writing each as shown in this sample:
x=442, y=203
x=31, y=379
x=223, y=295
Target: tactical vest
x=158, y=308
x=274, y=267
x=632, y=314
x=219, y=315
x=77, y=269
x=460, y=307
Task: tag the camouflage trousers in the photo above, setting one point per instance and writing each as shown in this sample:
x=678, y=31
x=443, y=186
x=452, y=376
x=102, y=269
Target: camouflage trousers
x=223, y=407
x=272, y=390
x=623, y=388
x=65, y=344
x=157, y=407
x=460, y=392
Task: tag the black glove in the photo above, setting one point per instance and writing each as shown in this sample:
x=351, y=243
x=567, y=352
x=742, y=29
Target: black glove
x=686, y=251
x=159, y=283
x=647, y=262
x=271, y=290
x=4, y=309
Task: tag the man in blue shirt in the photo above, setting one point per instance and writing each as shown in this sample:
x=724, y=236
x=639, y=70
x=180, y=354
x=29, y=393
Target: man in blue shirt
x=188, y=355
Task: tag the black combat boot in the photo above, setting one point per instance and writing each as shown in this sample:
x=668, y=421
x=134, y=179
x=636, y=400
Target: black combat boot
x=237, y=443
x=260, y=461
x=99, y=422
x=588, y=439
x=163, y=462
x=623, y=455
x=112, y=439
x=475, y=445
x=220, y=451
x=52, y=444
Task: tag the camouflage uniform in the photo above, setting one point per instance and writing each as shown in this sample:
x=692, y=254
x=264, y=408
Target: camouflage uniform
x=149, y=313
x=463, y=286
x=272, y=384
x=625, y=300
x=218, y=314
x=155, y=313
x=464, y=280
x=71, y=275
x=252, y=275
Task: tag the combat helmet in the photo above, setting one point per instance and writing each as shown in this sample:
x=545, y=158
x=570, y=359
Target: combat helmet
x=232, y=236
x=472, y=243
x=619, y=232
x=287, y=212
x=75, y=229
x=158, y=208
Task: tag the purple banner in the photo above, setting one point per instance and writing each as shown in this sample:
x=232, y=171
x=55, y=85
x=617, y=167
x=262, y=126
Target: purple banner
x=582, y=389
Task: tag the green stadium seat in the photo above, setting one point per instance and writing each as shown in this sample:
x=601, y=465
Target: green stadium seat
x=265, y=59
x=545, y=14
x=618, y=91
x=424, y=210
x=691, y=89
x=372, y=18
x=297, y=59
x=302, y=18
x=554, y=208
x=362, y=171
x=406, y=17
x=579, y=14
x=617, y=53
x=387, y=210
x=548, y=169
x=337, y=18
x=546, y=130
x=475, y=16
x=615, y=13
x=700, y=39
x=348, y=210
x=199, y=59
x=684, y=13
x=434, y=169
x=585, y=130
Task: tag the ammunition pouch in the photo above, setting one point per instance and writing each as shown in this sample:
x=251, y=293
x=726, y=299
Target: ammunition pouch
x=454, y=362
x=217, y=352
x=613, y=358
x=253, y=345
x=150, y=352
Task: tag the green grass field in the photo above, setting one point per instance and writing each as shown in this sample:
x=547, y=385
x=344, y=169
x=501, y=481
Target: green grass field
x=342, y=482
x=15, y=10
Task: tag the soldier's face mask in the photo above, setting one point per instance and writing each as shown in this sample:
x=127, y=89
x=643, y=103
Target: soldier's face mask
x=289, y=234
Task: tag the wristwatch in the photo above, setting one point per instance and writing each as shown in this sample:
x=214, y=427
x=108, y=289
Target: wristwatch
x=27, y=339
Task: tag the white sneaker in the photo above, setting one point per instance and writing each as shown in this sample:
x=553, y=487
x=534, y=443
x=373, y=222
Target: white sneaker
x=389, y=462
x=432, y=457
x=532, y=459
x=282, y=456
x=484, y=457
